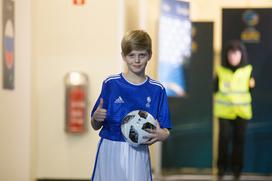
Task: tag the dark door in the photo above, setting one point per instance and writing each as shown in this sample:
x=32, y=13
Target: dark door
x=254, y=27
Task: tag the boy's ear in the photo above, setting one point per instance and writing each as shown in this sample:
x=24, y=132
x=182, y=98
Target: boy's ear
x=122, y=54
x=150, y=55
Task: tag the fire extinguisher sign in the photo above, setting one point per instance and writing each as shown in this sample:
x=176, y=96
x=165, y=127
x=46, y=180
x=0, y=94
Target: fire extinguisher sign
x=76, y=105
x=76, y=109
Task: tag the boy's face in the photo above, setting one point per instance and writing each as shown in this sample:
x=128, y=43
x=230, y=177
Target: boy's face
x=136, y=61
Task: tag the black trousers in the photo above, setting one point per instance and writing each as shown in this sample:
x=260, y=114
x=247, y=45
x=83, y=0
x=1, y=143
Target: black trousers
x=231, y=145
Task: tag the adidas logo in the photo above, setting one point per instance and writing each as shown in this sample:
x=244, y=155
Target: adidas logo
x=119, y=100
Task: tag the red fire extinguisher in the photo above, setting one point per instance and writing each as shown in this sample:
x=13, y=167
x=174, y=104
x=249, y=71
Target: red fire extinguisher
x=76, y=102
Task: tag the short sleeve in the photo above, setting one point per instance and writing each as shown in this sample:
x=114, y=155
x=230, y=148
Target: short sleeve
x=164, y=114
x=102, y=95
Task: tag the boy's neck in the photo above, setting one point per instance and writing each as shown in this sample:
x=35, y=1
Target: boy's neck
x=134, y=78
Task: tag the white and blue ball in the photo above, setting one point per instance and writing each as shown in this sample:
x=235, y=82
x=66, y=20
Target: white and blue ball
x=134, y=126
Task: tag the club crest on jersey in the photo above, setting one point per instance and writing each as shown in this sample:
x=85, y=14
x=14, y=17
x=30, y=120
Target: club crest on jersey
x=148, y=100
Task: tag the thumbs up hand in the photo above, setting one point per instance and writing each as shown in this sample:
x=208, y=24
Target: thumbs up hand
x=100, y=113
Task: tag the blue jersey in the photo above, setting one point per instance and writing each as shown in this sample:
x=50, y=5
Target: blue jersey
x=121, y=97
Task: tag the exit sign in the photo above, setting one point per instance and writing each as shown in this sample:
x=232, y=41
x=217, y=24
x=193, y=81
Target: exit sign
x=78, y=2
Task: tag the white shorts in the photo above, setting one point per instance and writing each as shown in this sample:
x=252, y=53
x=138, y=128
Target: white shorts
x=117, y=161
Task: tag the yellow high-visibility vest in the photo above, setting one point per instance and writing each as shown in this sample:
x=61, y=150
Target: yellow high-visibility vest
x=233, y=97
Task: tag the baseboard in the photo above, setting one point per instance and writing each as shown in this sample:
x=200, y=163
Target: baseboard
x=48, y=179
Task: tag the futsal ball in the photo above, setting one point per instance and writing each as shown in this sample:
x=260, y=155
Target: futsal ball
x=134, y=126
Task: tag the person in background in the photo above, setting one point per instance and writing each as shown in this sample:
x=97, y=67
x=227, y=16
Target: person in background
x=232, y=107
x=122, y=93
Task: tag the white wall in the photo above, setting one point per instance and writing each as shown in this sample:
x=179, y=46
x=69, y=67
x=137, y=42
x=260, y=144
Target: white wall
x=15, y=105
x=66, y=38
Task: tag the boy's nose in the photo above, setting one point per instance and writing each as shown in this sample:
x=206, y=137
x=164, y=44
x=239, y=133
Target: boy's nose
x=137, y=58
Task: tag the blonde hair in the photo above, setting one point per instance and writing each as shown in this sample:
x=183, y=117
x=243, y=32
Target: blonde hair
x=136, y=40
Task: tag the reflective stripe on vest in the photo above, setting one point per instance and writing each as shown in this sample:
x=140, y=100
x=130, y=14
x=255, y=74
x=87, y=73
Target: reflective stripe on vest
x=233, y=97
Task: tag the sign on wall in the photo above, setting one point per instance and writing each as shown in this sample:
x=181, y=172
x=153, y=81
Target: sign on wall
x=8, y=52
x=174, y=46
x=78, y=2
x=190, y=143
x=76, y=99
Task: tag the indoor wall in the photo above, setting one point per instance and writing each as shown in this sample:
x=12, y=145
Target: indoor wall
x=53, y=38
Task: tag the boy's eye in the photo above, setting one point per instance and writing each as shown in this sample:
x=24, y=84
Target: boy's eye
x=140, y=56
x=131, y=55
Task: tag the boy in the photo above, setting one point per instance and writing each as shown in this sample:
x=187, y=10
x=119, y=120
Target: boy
x=121, y=94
